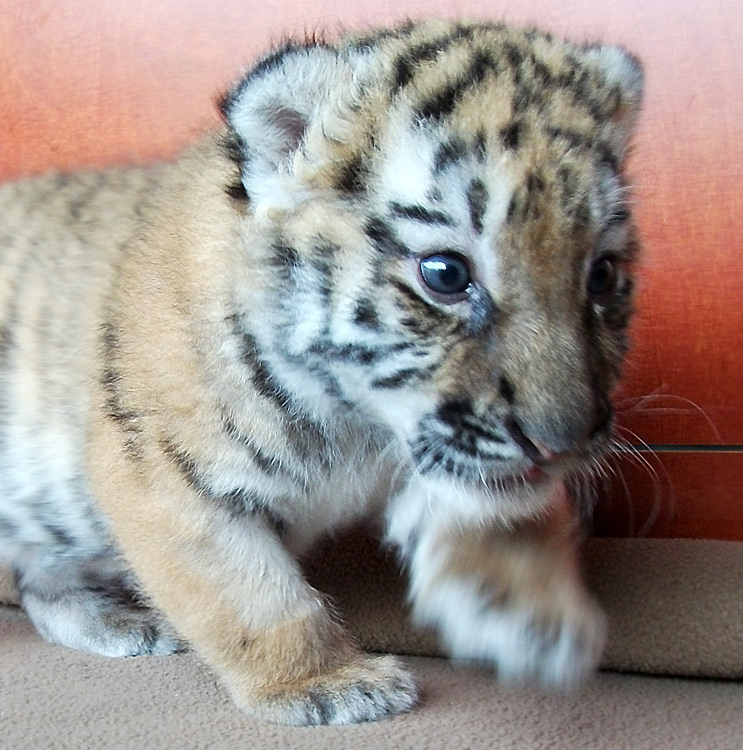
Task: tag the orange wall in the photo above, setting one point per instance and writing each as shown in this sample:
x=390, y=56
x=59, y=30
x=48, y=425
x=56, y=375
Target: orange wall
x=91, y=82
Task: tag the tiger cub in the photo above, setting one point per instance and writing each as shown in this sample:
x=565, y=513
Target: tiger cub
x=397, y=282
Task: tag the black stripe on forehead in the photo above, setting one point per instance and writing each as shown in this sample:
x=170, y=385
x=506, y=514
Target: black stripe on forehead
x=455, y=150
x=384, y=238
x=511, y=134
x=418, y=54
x=352, y=175
x=442, y=103
x=421, y=214
x=406, y=63
x=477, y=200
x=448, y=153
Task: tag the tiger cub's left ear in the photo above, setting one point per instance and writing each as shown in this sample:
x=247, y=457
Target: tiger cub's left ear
x=274, y=106
x=624, y=73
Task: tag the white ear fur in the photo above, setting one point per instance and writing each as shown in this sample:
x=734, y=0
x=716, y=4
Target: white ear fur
x=272, y=109
x=623, y=70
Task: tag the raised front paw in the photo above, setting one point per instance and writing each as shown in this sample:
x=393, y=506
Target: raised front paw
x=556, y=642
x=367, y=689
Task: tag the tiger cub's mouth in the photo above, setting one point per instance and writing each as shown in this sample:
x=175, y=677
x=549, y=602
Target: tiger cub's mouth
x=534, y=474
x=500, y=453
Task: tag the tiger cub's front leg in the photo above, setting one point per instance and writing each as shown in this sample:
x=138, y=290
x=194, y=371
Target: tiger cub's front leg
x=509, y=595
x=235, y=593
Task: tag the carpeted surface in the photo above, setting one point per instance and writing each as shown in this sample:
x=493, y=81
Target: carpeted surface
x=53, y=698
x=674, y=607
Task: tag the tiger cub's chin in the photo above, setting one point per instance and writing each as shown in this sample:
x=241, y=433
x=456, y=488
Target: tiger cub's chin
x=397, y=281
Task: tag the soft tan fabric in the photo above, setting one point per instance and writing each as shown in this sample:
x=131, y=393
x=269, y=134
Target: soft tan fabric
x=674, y=607
x=54, y=698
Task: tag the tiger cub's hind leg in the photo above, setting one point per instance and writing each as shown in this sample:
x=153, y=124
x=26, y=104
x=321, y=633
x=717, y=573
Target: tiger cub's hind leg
x=89, y=604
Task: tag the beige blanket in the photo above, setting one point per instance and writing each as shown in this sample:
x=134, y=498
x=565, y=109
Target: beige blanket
x=674, y=607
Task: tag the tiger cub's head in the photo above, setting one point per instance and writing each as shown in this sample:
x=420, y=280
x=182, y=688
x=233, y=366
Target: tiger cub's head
x=443, y=237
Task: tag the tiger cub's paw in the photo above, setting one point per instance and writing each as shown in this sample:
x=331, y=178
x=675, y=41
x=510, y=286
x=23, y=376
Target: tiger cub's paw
x=555, y=642
x=554, y=649
x=367, y=689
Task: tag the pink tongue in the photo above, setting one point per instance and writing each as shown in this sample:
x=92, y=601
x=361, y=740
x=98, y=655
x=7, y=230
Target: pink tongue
x=534, y=473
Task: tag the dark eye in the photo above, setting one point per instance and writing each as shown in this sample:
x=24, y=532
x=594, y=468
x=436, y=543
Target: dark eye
x=445, y=273
x=602, y=279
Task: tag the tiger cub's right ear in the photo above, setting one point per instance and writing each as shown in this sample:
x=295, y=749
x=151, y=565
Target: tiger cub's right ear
x=273, y=107
x=623, y=71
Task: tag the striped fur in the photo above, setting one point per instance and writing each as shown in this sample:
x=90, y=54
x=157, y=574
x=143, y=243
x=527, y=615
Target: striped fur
x=206, y=366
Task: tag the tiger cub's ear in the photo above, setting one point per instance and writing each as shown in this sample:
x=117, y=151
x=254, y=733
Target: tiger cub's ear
x=624, y=74
x=272, y=108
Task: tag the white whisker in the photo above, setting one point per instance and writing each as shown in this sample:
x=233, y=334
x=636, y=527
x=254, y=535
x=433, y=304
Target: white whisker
x=637, y=453
x=647, y=404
